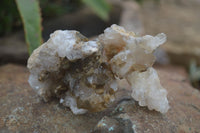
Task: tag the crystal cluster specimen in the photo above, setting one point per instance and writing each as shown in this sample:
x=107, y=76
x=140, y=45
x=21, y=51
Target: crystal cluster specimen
x=84, y=74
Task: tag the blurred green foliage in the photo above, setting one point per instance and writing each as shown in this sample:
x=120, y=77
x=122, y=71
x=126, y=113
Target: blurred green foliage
x=10, y=18
x=30, y=15
x=100, y=7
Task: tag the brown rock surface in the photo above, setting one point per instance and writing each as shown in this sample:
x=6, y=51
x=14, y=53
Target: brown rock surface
x=23, y=111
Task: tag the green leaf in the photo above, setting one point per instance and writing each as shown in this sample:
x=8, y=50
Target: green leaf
x=100, y=7
x=31, y=17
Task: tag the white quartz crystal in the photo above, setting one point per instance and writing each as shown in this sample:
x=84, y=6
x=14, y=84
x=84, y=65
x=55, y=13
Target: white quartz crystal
x=132, y=53
x=148, y=90
x=83, y=74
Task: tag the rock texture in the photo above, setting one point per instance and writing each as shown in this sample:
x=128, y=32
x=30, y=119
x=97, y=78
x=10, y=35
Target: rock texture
x=23, y=111
x=84, y=74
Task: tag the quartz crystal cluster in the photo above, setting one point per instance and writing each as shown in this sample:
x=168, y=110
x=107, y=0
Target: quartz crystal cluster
x=84, y=74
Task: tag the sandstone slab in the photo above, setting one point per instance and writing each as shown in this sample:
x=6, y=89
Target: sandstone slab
x=23, y=111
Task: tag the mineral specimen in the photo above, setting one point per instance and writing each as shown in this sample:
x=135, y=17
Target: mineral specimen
x=84, y=74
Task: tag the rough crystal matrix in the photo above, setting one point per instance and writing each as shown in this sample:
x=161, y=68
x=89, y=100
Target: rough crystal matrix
x=84, y=74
